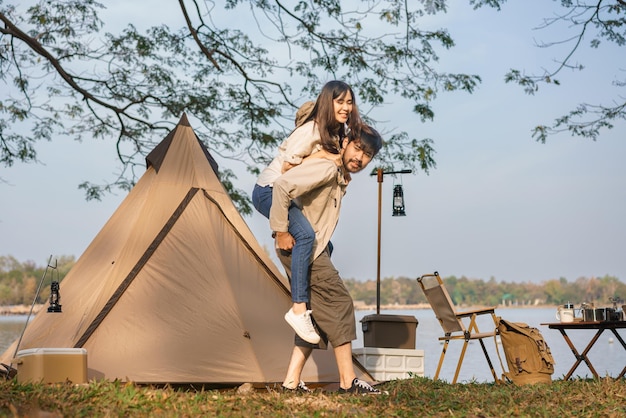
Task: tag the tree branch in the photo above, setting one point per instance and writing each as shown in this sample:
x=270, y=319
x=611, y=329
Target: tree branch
x=194, y=34
x=39, y=49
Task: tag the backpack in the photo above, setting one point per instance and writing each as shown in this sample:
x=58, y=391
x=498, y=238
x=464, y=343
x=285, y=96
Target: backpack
x=527, y=354
x=304, y=112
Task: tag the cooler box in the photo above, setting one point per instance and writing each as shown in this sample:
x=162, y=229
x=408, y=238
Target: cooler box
x=386, y=364
x=52, y=365
x=389, y=331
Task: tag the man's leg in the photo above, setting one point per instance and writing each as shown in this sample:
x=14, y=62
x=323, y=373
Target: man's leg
x=348, y=382
x=343, y=356
x=299, y=356
x=331, y=299
x=334, y=313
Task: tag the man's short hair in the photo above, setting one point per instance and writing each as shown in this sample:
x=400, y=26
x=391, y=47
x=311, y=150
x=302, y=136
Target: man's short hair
x=370, y=139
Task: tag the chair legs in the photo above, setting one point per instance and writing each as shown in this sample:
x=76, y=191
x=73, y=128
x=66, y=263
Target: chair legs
x=443, y=354
x=460, y=362
x=461, y=357
x=493, y=372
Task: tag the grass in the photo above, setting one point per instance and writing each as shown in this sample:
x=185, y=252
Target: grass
x=407, y=398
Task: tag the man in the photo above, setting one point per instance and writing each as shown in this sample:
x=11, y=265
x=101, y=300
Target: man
x=318, y=184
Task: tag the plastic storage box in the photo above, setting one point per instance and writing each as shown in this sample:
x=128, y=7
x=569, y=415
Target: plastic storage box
x=52, y=365
x=391, y=363
x=389, y=331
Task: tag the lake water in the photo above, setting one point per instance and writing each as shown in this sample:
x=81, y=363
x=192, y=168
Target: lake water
x=11, y=327
x=607, y=355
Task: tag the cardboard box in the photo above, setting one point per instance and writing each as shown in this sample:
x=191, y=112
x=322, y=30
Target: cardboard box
x=389, y=331
x=391, y=363
x=52, y=365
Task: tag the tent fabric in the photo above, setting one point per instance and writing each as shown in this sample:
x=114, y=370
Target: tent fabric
x=155, y=157
x=175, y=288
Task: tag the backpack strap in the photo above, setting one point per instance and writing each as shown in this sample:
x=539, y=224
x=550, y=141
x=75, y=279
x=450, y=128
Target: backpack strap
x=506, y=375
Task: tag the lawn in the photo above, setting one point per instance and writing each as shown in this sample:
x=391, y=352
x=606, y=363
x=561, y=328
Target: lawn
x=406, y=398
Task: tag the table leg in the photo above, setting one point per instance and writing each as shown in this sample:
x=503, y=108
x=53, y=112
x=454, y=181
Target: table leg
x=583, y=356
x=619, y=338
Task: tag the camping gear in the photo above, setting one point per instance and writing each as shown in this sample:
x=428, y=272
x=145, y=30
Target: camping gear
x=52, y=365
x=391, y=363
x=389, y=331
x=175, y=288
x=527, y=354
x=452, y=322
x=565, y=313
x=589, y=314
x=54, y=299
x=608, y=314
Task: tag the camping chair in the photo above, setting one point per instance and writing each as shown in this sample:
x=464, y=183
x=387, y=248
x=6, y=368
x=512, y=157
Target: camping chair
x=452, y=321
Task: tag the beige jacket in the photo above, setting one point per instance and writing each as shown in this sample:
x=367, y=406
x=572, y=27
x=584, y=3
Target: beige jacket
x=319, y=184
x=302, y=142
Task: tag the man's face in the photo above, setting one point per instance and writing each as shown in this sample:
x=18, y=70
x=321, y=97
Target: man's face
x=343, y=107
x=355, y=158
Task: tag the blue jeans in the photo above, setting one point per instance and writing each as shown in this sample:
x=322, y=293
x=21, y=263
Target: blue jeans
x=302, y=251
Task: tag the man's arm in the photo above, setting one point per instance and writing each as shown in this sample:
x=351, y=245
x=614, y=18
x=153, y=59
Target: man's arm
x=298, y=181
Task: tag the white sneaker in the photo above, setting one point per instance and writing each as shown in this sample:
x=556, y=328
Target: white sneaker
x=303, y=326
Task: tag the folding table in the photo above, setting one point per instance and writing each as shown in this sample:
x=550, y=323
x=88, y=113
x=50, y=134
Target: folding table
x=613, y=326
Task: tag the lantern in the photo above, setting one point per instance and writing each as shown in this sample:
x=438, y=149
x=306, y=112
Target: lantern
x=55, y=297
x=398, y=201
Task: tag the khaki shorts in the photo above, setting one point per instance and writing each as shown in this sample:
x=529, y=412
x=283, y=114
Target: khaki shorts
x=332, y=305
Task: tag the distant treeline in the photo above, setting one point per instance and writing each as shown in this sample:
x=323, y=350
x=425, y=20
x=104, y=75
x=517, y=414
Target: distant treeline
x=474, y=292
x=19, y=282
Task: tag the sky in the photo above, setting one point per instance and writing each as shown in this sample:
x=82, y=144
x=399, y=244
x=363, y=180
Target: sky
x=498, y=205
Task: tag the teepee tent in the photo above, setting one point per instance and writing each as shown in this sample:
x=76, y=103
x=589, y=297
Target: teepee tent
x=175, y=288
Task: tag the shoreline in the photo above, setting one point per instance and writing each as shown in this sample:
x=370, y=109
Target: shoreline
x=19, y=309
x=358, y=306
x=414, y=307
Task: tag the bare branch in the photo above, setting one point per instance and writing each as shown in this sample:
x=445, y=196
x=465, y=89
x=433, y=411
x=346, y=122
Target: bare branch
x=39, y=49
x=194, y=34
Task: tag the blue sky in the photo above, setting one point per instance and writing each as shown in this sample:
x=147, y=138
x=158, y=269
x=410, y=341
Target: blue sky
x=498, y=205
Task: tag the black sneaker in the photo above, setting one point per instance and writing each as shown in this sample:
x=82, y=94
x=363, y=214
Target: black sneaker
x=301, y=388
x=360, y=387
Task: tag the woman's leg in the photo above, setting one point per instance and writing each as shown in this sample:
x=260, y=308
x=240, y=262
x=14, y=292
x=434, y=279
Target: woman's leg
x=299, y=316
x=301, y=254
x=302, y=232
x=262, y=199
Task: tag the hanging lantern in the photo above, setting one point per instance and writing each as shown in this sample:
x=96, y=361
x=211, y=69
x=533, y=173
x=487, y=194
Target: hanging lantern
x=55, y=298
x=398, y=201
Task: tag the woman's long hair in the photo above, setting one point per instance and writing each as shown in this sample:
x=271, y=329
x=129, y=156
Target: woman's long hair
x=332, y=132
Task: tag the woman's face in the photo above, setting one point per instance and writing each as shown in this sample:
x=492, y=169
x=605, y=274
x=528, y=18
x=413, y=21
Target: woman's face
x=343, y=107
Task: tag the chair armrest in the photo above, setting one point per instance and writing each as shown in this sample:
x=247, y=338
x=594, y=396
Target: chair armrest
x=479, y=311
x=469, y=336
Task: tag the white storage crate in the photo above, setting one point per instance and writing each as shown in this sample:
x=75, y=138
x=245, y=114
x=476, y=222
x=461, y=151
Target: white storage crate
x=391, y=363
